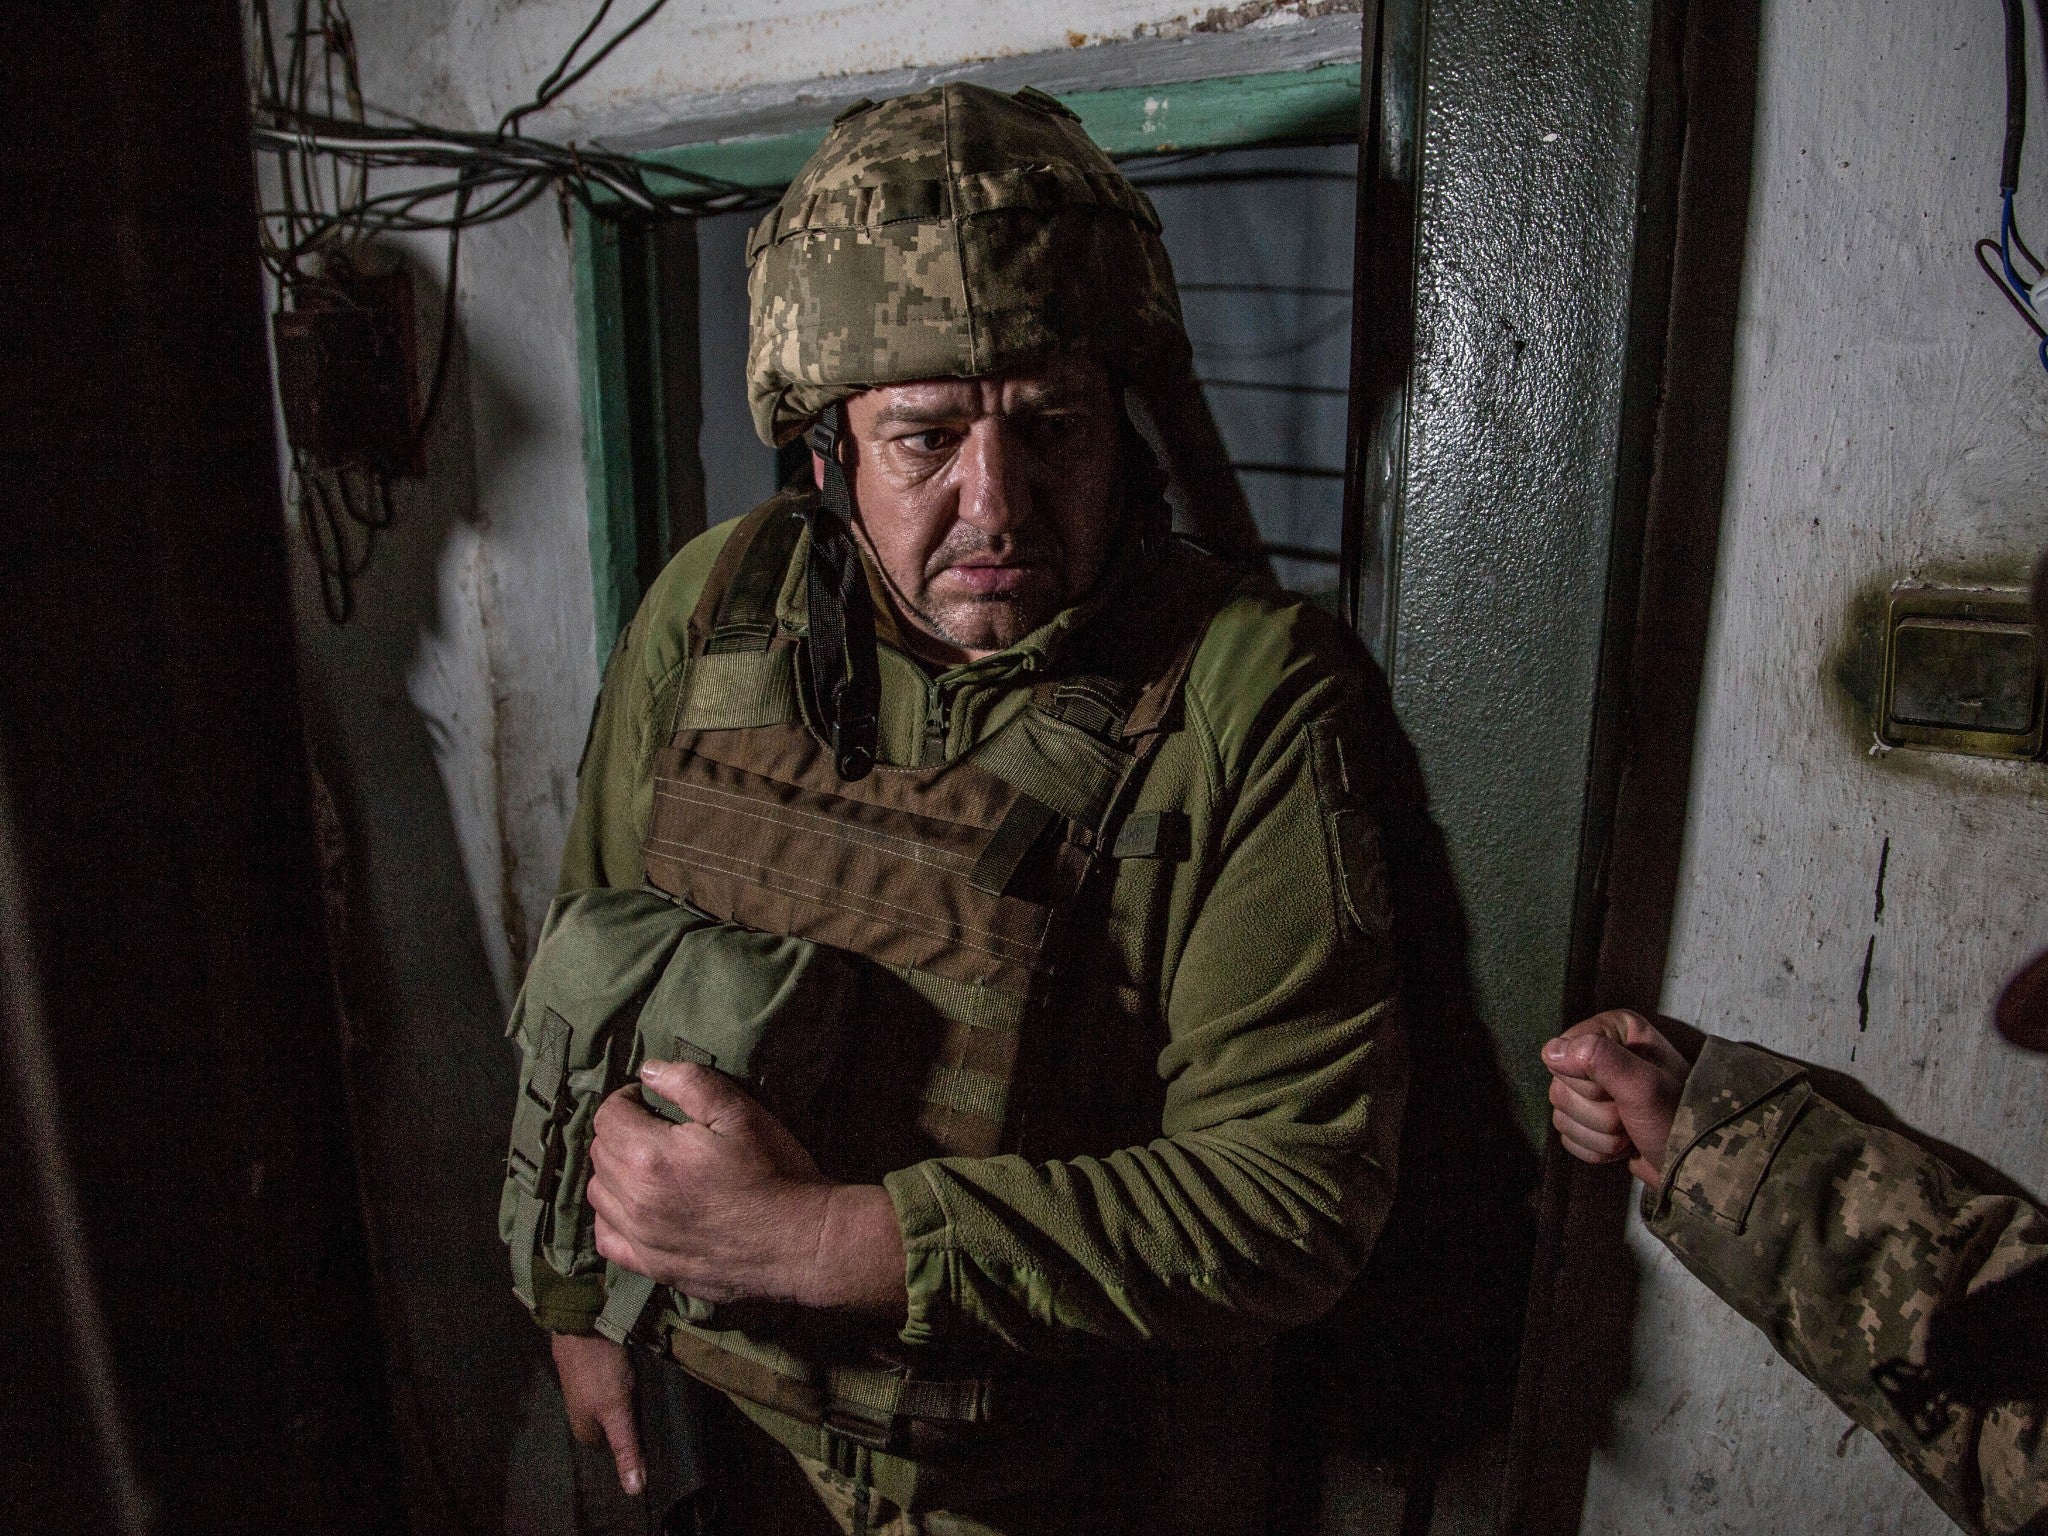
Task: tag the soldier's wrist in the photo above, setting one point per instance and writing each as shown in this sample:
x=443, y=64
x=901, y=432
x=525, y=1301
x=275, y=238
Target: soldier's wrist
x=855, y=1262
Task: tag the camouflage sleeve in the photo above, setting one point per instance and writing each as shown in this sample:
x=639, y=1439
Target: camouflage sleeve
x=1871, y=1267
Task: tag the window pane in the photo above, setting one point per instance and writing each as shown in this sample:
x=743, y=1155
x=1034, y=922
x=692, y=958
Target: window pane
x=1261, y=244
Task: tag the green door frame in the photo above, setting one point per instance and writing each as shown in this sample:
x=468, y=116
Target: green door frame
x=1517, y=186
x=636, y=352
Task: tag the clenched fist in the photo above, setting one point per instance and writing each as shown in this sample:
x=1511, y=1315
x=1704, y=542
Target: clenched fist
x=1615, y=1083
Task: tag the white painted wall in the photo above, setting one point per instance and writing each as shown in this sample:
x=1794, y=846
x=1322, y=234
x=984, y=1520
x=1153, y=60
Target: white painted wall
x=1890, y=421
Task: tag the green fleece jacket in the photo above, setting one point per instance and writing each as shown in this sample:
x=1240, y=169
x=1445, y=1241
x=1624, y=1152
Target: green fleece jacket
x=1251, y=964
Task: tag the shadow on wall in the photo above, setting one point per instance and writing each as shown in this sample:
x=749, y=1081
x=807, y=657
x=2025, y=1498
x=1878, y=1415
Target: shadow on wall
x=1412, y=1375
x=431, y=1075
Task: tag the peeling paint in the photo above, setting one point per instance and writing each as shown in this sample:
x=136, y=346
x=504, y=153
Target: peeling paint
x=1237, y=18
x=762, y=60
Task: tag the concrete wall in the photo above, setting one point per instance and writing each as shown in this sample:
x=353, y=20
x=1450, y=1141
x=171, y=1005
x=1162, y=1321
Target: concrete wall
x=1890, y=421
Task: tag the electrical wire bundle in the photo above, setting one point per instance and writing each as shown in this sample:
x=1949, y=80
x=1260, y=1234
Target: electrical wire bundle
x=2019, y=291
x=308, y=112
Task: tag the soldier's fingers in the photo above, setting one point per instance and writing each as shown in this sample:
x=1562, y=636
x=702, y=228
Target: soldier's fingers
x=583, y=1425
x=624, y=1439
x=1569, y=1058
x=614, y=1245
x=1647, y=1041
x=1644, y=1094
x=708, y=1097
x=631, y=1146
x=1613, y=1024
x=1590, y=1146
x=613, y=1216
x=597, y=1387
x=622, y=1117
x=1599, y=1115
x=603, y=1203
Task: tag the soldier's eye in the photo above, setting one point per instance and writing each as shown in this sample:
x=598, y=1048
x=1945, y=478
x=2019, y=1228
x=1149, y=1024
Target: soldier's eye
x=934, y=440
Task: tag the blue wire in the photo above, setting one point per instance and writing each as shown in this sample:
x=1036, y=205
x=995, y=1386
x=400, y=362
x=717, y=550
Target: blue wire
x=2024, y=290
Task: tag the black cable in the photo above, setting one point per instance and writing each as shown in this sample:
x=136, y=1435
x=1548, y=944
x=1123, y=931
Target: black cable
x=2020, y=245
x=445, y=342
x=327, y=538
x=540, y=95
x=1217, y=178
x=1296, y=290
x=373, y=518
x=515, y=170
x=2015, y=96
x=2019, y=291
x=490, y=176
x=543, y=98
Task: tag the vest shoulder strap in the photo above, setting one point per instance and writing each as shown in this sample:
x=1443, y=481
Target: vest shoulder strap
x=735, y=676
x=736, y=609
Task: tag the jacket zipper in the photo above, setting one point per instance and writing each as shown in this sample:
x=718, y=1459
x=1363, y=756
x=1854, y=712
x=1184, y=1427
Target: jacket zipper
x=934, y=726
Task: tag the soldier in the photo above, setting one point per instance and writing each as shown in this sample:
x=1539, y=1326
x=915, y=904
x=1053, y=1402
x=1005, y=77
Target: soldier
x=1101, y=1087
x=1916, y=1301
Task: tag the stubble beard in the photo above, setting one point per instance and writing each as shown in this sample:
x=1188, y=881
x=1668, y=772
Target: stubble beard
x=1013, y=619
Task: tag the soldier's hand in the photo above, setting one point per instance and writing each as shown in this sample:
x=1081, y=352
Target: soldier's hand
x=1615, y=1083
x=721, y=1207
x=597, y=1387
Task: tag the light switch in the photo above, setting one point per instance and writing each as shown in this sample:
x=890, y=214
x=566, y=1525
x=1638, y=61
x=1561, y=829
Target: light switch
x=1962, y=672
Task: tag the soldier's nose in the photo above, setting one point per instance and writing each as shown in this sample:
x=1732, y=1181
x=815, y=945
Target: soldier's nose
x=995, y=494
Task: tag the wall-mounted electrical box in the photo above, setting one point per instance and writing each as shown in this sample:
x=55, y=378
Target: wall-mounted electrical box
x=345, y=369
x=1962, y=672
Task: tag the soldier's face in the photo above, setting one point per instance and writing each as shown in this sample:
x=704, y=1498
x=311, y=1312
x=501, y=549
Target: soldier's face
x=988, y=503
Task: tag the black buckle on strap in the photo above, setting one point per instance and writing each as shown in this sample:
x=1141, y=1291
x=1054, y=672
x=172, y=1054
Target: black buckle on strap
x=852, y=1429
x=844, y=677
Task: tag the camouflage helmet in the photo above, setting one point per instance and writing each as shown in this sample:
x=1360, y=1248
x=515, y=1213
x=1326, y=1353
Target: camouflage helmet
x=952, y=232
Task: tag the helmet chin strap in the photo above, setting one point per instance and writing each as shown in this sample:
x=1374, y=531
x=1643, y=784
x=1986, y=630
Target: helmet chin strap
x=845, y=683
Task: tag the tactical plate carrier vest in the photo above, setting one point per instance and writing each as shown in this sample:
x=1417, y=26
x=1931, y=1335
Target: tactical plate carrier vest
x=953, y=887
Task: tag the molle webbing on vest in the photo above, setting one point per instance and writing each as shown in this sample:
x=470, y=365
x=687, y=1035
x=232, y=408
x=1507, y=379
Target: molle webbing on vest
x=534, y=1163
x=734, y=690
x=918, y=870
x=860, y=870
x=849, y=1397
